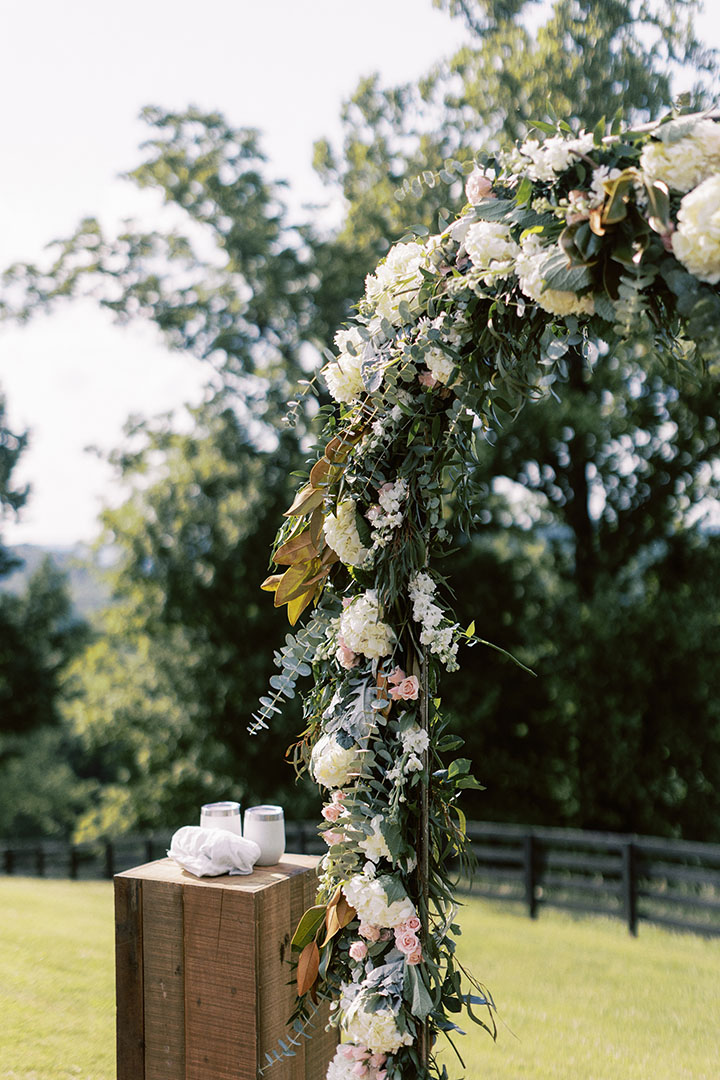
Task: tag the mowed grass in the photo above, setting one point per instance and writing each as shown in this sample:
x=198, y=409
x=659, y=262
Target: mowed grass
x=577, y=1000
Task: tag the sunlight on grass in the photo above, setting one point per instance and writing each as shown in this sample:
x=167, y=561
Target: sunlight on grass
x=577, y=1000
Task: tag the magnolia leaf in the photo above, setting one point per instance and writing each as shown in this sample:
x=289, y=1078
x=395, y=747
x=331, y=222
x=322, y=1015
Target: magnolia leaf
x=316, y=527
x=320, y=472
x=271, y=583
x=558, y=274
x=307, y=969
x=298, y=549
x=293, y=582
x=308, y=926
x=306, y=500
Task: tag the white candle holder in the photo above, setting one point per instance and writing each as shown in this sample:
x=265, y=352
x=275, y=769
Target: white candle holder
x=266, y=826
x=221, y=815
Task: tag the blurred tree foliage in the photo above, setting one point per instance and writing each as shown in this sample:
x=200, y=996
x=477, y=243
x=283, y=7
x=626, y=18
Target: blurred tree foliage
x=39, y=635
x=594, y=573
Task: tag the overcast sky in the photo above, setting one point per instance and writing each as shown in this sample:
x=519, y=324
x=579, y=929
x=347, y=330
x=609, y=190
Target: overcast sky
x=73, y=78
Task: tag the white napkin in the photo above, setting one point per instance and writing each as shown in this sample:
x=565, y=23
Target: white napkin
x=210, y=852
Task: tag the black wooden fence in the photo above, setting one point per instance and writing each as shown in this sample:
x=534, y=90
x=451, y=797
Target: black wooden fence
x=674, y=883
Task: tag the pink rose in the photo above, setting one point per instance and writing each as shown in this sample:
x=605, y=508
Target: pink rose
x=407, y=690
x=369, y=932
x=414, y=957
x=358, y=950
x=331, y=812
x=345, y=657
x=397, y=676
x=413, y=924
x=347, y=1051
x=407, y=942
x=359, y=1069
x=426, y=378
x=339, y=796
x=477, y=187
x=331, y=837
x=378, y=1060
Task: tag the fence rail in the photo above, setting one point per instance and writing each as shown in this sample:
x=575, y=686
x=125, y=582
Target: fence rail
x=673, y=883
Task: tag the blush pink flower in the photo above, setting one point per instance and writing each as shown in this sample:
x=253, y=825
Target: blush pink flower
x=369, y=932
x=358, y=950
x=414, y=957
x=359, y=1069
x=345, y=657
x=407, y=942
x=378, y=1060
x=397, y=676
x=385, y=935
x=347, y=1051
x=426, y=378
x=407, y=690
x=412, y=923
x=331, y=837
x=338, y=796
x=477, y=187
x=331, y=812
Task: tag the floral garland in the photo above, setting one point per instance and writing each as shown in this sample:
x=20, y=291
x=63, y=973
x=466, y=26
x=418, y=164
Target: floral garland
x=570, y=246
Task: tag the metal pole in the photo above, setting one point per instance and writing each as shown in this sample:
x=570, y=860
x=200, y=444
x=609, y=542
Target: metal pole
x=423, y=869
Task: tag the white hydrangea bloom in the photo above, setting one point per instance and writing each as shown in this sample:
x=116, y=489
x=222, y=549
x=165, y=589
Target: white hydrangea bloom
x=332, y=765
x=696, y=243
x=528, y=268
x=396, y=279
x=688, y=161
x=439, y=364
x=342, y=535
x=491, y=249
x=377, y=1031
x=368, y=897
x=543, y=161
x=387, y=514
x=375, y=847
x=363, y=630
x=343, y=377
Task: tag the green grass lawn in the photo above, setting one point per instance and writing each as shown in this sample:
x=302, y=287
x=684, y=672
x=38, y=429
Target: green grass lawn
x=577, y=1000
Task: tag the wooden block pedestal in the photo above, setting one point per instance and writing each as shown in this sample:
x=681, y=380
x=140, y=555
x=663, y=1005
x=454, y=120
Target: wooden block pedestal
x=202, y=973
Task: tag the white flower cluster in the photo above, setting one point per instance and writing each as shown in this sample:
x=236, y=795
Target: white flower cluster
x=343, y=377
x=491, y=249
x=439, y=364
x=374, y=846
x=342, y=535
x=367, y=895
x=362, y=628
x=397, y=278
x=378, y=1031
x=426, y=612
x=685, y=162
x=528, y=268
x=348, y=1057
x=696, y=243
x=386, y=515
x=544, y=160
x=415, y=740
x=332, y=765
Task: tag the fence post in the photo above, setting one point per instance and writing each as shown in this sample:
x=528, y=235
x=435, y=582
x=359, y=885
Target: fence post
x=9, y=860
x=529, y=863
x=149, y=849
x=74, y=861
x=629, y=886
x=40, y=861
x=109, y=861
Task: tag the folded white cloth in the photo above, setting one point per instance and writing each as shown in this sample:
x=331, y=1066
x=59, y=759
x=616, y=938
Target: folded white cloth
x=210, y=852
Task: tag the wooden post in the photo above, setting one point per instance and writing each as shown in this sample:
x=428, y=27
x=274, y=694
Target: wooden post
x=203, y=976
x=423, y=870
x=530, y=868
x=629, y=886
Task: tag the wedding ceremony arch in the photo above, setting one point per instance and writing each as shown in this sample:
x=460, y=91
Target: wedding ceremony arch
x=573, y=248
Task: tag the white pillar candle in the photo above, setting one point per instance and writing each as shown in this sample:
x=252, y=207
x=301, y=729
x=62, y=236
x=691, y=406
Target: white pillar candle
x=221, y=815
x=266, y=826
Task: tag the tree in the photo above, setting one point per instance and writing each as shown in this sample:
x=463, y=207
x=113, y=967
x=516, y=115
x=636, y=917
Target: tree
x=163, y=696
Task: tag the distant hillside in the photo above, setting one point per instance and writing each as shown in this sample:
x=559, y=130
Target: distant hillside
x=88, y=591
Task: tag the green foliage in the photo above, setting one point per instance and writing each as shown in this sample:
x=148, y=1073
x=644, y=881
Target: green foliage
x=163, y=696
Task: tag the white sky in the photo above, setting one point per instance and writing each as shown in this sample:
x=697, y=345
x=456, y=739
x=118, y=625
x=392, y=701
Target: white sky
x=73, y=78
